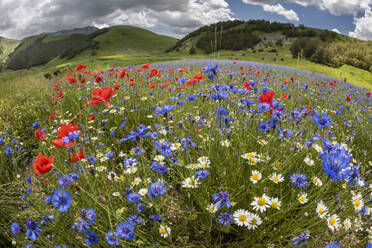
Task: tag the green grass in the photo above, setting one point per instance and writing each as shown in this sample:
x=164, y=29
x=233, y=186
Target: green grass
x=8, y=46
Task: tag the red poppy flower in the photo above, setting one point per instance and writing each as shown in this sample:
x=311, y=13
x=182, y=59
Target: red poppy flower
x=62, y=132
x=122, y=73
x=131, y=83
x=348, y=99
x=146, y=66
x=101, y=95
x=116, y=86
x=82, y=80
x=152, y=85
x=71, y=80
x=92, y=117
x=284, y=96
x=267, y=97
x=42, y=164
x=79, y=155
x=198, y=76
x=40, y=135
x=79, y=67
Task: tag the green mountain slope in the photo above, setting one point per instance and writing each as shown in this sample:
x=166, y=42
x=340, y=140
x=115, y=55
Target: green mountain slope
x=320, y=46
x=8, y=46
x=43, y=48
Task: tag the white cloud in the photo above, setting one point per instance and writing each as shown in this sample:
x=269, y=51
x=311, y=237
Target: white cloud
x=351, y=7
x=336, y=30
x=20, y=18
x=363, y=26
x=280, y=10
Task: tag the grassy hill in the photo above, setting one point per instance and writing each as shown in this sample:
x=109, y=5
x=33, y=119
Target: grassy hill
x=320, y=46
x=8, y=46
x=43, y=48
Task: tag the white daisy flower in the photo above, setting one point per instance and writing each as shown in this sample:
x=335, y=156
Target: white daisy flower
x=164, y=231
x=190, y=182
x=347, y=224
x=159, y=158
x=277, y=178
x=358, y=202
x=317, y=148
x=321, y=209
x=249, y=155
x=302, y=198
x=101, y=168
x=112, y=176
x=136, y=181
x=275, y=203
x=261, y=203
x=212, y=208
x=204, y=160
x=309, y=161
x=131, y=170
x=254, y=221
x=225, y=143
x=333, y=222
x=116, y=194
x=143, y=191
x=193, y=166
x=175, y=146
x=316, y=181
x=256, y=176
x=241, y=217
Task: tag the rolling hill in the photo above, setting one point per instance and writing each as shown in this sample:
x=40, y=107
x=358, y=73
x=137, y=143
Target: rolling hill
x=41, y=49
x=8, y=46
x=319, y=46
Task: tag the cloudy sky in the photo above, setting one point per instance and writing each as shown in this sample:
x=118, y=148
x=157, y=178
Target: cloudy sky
x=20, y=18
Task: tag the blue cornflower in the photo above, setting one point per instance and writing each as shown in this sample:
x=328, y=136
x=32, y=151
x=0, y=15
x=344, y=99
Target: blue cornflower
x=264, y=126
x=211, y=70
x=125, y=230
x=33, y=230
x=300, y=180
x=156, y=166
x=283, y=132
x=157, y=189
x=333, y=244
x=73, y=135
x=91, y=159
x=323, y=120
x=111, y=239
x=335, y=162
x=202, y=174
x=135, y=219
x=48, y=199
x=225, y=218
x=64, y=181
x=301, y=239
x=88, y=215
x=35, y=124
x=8, y=151
x=47, y=219
x=140, y=207
x=129, y=162
x=92, y=238
x=61, y=199
x=134, y=198
x=164, y=110
x=222, y=199
x=15, y=228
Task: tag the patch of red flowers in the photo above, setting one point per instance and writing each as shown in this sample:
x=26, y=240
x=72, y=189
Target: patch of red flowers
x=63, y=131
x=102, y=95
x=40, y=135
x=42, y=164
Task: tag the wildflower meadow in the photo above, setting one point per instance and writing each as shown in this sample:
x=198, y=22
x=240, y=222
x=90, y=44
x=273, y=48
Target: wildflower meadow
x=202, y=153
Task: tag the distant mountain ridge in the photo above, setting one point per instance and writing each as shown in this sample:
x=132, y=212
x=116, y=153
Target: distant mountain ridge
x=67, y=44
x=84, y=30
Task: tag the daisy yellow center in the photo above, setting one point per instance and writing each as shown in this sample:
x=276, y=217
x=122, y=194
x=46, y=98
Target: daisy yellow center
x=321, y=210
x=274, y=205
x=204, y=165
x=242, y=217
x=308, y=162
x=101, y=167
x=253, y=221
x=192, y=182
x=332, y=221
x=346, y=224
x=255, y=177
x=302, y=198
x=135, y=181
x=250, y=155
x=253, y=160
x=261, y=202
x=163, y=230
x=275, y=179
x=357, y=203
